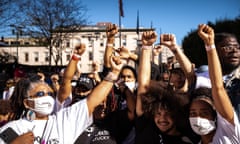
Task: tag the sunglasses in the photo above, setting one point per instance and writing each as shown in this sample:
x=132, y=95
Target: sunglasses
x=42, y=93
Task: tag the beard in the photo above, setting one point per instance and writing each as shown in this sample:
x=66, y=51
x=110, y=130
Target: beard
x=227, y=68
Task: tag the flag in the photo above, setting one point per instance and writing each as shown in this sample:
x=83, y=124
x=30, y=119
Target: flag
x=121, y=8
x=137, y=23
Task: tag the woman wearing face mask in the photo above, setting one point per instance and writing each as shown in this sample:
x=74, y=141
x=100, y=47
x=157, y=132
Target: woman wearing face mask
x=127, y=80
x=34, y=121
x=214, y=120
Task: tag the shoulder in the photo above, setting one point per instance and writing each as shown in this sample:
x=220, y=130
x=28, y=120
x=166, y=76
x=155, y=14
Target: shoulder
x=19, y=126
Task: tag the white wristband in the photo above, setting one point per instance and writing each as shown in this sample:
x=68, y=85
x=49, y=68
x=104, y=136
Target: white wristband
x=110, y=45
x=76, y=57
x=210, y=47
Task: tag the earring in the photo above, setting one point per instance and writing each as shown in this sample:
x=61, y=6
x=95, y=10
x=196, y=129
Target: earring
x=30, y=115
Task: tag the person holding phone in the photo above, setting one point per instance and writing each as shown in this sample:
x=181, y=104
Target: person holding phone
x=35, y=121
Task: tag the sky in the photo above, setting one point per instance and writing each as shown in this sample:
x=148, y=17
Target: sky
x=166, y=16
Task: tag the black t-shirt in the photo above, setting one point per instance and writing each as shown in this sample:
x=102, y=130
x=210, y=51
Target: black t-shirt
x=116, y=126
x=113, y=129
x=148, y=133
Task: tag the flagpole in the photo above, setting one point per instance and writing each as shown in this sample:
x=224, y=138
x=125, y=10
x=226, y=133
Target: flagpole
x=120, y=30
x=138, y=24
x=121, y=14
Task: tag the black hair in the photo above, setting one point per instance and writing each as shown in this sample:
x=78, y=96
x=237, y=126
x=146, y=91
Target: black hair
x=161, y=95
x=130, y=68
x=203, y=92
x=20, y=93
x=220, y=37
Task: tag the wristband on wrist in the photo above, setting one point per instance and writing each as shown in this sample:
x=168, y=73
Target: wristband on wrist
x=146, y=47
x=76, y=57
x=110, y=45
x=210, y=47
x=111, y=77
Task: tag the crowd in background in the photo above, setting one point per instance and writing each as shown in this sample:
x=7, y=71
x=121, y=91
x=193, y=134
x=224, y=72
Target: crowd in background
x=166, y=103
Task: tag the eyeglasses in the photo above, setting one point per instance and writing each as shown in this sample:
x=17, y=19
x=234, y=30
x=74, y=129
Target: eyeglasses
x=42, y=93
x=228, y=48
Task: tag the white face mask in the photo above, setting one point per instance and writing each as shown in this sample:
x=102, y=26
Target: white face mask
x=43, y=105
x=131, y=85
x=202, y=126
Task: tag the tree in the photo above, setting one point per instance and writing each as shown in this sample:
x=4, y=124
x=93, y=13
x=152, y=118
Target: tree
x=8, y=12
x=41, y=18
x=193, y=46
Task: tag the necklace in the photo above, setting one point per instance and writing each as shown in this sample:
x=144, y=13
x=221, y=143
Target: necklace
x=45, y=127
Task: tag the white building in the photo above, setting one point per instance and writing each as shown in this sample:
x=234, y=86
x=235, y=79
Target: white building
x=93, y=36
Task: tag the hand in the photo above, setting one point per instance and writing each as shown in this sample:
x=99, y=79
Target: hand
x=94, y=74
x=169, y=40
x=112, y=29
x=27, y=138
x=116, y=63
x=123, y=52
x=148, y=38
x=206, y=33
x=80, y=49
x=157, y=50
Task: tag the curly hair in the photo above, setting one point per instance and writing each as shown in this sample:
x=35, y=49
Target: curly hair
x=162, y=96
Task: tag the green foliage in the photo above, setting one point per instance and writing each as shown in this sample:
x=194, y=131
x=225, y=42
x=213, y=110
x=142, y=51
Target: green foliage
x=193, y=46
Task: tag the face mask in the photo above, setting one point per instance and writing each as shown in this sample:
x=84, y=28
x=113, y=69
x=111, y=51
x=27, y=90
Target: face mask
x=43, y=105
x=130, y=85
x=202, y=126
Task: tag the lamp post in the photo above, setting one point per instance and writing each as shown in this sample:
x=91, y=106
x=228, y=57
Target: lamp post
x=18, y=31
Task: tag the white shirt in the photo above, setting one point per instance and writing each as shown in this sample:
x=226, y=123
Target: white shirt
x=61, y=128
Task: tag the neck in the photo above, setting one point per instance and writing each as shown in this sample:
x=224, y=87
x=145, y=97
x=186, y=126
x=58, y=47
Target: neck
x=41, y=117
x=206, y=139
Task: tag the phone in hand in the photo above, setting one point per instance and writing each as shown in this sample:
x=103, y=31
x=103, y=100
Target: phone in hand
x=8, y=135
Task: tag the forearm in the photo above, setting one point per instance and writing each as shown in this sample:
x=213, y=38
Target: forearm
x=220, y=97
x=108, y=52
x=133, y=57
x=101, y=91
x=185, y=64
x=143, y=77
x=66, y=88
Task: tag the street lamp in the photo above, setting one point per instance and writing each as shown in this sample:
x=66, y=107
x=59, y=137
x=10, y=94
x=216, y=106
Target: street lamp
x=18, y=31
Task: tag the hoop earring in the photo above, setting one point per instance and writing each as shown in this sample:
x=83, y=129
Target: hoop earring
x=30, y=115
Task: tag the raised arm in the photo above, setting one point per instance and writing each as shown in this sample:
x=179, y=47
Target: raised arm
x=169, y=40
x=111, y=31
x=148, y=38
x=220, y=97
x=101, y=91
x=66, y=88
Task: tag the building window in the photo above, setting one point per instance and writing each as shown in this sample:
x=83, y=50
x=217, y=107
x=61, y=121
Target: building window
x=68, y=44
x=36, y=56
x=68, y=57
x=26, y=57
x=90, y=55
x=101, y=44
x=26, y=43
x=46, y=56
x=124, y=43
x=101, y=55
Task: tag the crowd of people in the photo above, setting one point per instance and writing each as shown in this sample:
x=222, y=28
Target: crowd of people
x=150, y=102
